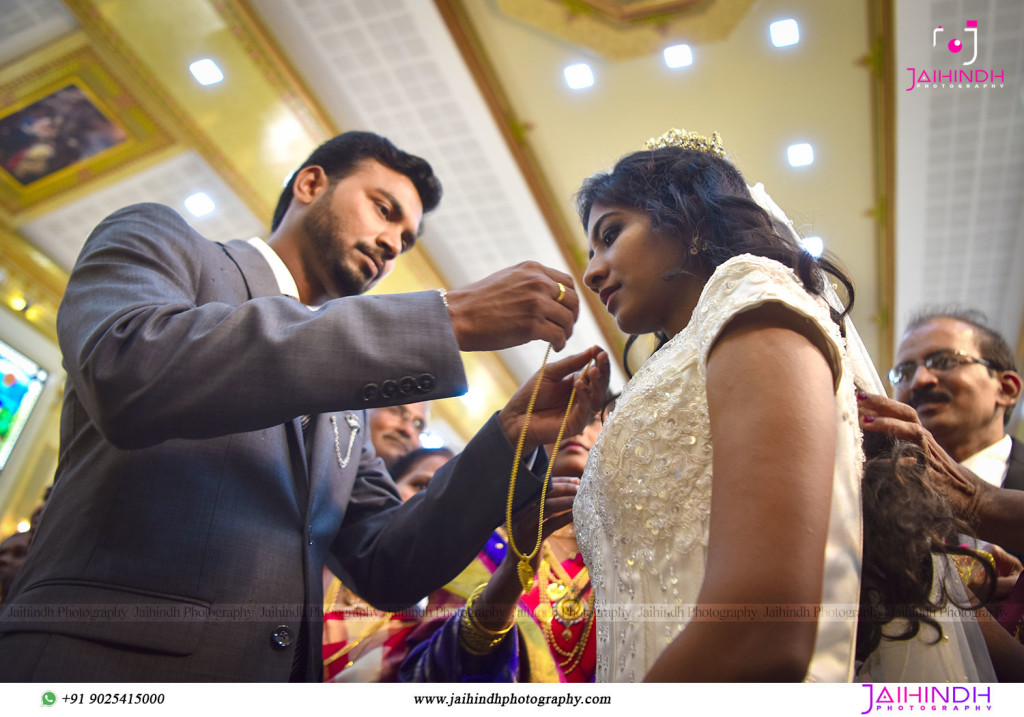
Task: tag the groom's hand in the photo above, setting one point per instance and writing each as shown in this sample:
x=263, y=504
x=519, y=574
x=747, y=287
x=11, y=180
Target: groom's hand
x=514, y=306
x=553, y=398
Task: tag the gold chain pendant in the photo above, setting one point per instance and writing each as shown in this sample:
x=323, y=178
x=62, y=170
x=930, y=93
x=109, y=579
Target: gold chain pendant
x=525, y=573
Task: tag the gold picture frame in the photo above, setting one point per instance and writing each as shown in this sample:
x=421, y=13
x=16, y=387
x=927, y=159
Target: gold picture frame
x=65, y=122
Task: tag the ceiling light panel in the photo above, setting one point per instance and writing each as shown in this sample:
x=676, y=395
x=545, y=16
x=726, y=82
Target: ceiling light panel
x=206, y=72
x=579, y=76
x=678, y=56
x=800, y=155
x=784, y=33
x=813, y=245
x=199, y=204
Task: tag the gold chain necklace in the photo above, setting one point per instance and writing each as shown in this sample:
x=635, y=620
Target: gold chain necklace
x=525, y=569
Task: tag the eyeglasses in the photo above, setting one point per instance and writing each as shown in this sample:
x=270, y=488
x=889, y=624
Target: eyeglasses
x=403, y=413
x=938, y=361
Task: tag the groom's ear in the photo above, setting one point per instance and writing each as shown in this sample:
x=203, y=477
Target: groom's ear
x=309, y=183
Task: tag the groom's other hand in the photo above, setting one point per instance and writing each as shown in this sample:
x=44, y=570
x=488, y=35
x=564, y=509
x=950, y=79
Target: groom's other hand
x=586, y=372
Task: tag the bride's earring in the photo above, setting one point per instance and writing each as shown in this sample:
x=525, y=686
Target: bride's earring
x=697, y=245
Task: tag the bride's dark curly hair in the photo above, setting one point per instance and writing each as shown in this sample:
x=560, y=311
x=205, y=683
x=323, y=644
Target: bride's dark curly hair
x=906, y=521
x=701, y=197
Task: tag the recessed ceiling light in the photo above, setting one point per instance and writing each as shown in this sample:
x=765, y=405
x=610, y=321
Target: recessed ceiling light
x=800, y=155
x=206, y=71
x=813, y=245
x=431, y=440
x=579, y=76
x=784, y=32
x=678, y=56
x=200, y=204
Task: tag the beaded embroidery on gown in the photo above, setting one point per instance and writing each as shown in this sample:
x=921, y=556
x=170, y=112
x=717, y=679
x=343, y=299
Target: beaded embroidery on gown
x=642, y=510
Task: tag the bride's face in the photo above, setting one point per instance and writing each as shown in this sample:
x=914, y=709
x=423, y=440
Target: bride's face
x=631, y=269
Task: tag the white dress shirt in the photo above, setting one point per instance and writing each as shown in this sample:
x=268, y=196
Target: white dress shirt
x=285, y=280
x=990, y=463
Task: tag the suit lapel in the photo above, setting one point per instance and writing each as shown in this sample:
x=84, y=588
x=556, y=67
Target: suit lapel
x=259, y=281
x=256, y=273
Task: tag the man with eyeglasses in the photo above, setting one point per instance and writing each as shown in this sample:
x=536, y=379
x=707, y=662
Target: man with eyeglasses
x=395, y=430
x=959, y=375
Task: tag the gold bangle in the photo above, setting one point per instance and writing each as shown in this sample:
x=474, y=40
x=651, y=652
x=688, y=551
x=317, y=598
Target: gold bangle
x=474, y=637
x=477, y=625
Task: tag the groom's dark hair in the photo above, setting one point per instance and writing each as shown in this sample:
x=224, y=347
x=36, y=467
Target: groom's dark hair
x=341, y=155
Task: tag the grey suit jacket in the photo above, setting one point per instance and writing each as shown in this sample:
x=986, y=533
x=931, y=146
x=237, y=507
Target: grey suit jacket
x=187, y=529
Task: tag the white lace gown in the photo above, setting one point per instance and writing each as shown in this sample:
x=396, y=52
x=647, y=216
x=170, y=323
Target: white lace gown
x=643, y=506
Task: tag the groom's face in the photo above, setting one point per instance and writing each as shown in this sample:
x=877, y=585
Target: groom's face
x=357, y=226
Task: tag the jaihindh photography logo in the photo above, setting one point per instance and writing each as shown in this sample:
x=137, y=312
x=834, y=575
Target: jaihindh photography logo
x=922, y=698
x=950, y=45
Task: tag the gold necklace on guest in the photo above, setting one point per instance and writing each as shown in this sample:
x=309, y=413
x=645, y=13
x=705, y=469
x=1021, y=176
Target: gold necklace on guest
x=562, y=600
x=525, y=569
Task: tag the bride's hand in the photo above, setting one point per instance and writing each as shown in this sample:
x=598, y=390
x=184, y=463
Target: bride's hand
x=553, y=398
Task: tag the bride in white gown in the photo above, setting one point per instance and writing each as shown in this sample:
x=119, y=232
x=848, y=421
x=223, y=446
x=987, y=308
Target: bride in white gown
x=720, y=510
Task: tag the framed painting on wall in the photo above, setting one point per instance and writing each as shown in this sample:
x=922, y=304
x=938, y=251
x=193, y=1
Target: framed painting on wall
x=63, y=129
x=66, y=120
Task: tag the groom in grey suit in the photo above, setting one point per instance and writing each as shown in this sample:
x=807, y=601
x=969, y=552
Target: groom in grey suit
x=214, y=453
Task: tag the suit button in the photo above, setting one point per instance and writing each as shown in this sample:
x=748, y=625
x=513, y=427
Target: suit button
x=281, y=637
x=426, y=382
x=407, y=385
x=389, y=389
x=370, y=392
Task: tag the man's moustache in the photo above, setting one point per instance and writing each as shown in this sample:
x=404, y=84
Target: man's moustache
x=919, y=397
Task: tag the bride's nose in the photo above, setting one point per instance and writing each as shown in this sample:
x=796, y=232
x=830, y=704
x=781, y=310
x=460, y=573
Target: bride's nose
x=595, y=273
